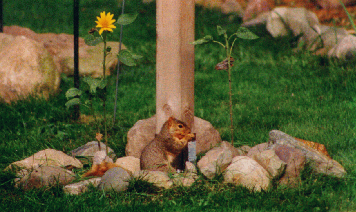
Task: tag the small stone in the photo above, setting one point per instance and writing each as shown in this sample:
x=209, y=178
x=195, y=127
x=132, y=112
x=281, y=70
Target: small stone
x=257, y=149
x=271, y=162
x=48, y=157
x=46, y=176
x=184, y=179
x=116, y=179
x=90, y=148
x=158, y=178
x=247, y=172
x=244, y=150
x=190, y=167
x=215, y=161
x=81, y=187
x=235, y=151
x=129, y=163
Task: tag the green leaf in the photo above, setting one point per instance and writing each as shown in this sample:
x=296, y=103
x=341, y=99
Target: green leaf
x=136, y=56
x=91, y=40
x=93, y=84
x=220, y=30
x=72, y=102
x=73, y=92
x=245, y=33
x=126, y=19
x=103, y=83
x=126, y=57
x=203, y=40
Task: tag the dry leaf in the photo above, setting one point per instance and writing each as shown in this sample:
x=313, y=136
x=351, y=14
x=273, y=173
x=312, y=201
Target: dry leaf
x=99, y=136
x=223, y=65
x=318, y=147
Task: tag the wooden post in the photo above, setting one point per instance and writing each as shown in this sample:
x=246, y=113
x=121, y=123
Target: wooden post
x=175, y=61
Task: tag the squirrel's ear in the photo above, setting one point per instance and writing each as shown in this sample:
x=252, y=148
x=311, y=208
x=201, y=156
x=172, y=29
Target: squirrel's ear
x=170, y=121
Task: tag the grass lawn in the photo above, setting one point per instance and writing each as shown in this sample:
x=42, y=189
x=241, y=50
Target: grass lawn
x=306, y=96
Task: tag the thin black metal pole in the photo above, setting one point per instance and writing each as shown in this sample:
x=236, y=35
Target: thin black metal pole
x=118, y=64
x=1, y=17
x=76, y=53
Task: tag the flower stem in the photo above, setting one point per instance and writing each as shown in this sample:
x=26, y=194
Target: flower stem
x=228, y=54
x=104, y=95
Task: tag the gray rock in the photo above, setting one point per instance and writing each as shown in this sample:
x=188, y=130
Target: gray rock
x=116, y=179
x=48, y=157
x=318, y=161
x=345, y=49
x=247, y=172
x=90, y=148
x=271, y=162
x=215, y=161
x=143, y=132
x=284, y=20
x=295, y=160
x=46, y=176
x=100, y=156
x=81, y=187
x=327, y=37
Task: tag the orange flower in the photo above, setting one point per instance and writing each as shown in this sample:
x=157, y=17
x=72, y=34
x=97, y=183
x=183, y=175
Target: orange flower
x=105, y=22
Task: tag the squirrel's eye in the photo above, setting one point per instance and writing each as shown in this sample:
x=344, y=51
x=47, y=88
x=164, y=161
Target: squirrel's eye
x=180, y=126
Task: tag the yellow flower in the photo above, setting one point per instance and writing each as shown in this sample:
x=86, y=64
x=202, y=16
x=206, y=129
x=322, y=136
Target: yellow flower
x=105, y=22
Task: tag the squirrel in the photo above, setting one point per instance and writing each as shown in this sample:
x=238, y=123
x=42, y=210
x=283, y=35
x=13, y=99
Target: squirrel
x=162, y=153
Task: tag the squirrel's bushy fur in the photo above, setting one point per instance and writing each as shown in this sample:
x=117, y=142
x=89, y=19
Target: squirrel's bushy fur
x=161, y=154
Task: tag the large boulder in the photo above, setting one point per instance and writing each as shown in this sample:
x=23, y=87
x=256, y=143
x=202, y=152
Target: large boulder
x=26, y=68
x=48, y=157
x=144, y=131
x=318, y=161
x=61, y=48
x=90, y=62
x=46, y=176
